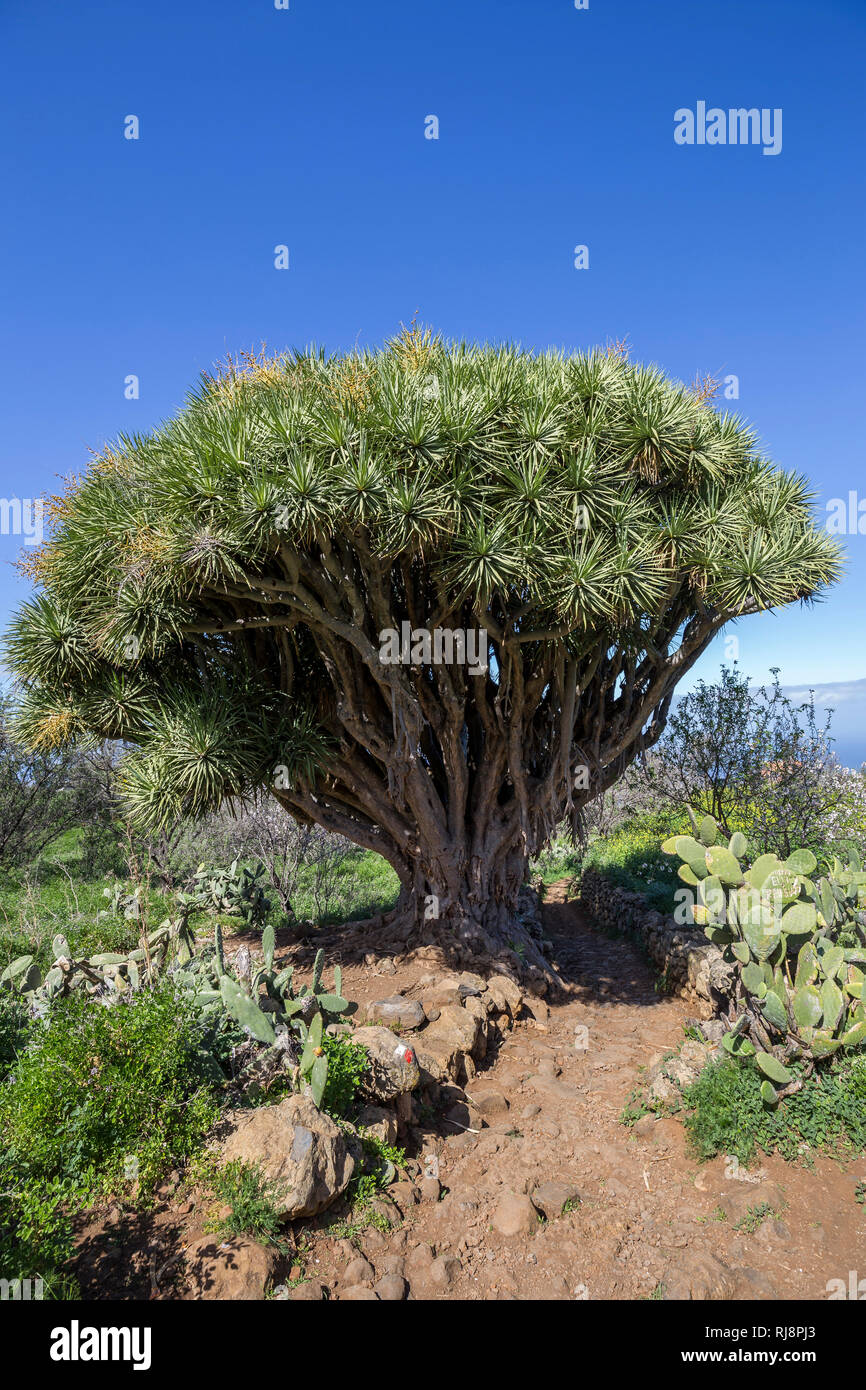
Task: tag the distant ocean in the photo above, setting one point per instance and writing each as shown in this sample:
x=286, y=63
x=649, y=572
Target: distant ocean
x=847, y=699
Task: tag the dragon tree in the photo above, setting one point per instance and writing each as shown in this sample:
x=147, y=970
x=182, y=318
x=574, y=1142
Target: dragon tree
x=434, y=597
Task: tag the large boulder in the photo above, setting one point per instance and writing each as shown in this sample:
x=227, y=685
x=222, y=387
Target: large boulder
x=453, y=989
x=393, y=1068
x=404, y=1013
x=444, y=1046
x=379, y=1121
x=515, y=1215
x=299, y=1149
x=235, y=1270
x=506, y=994
x=456, y=1025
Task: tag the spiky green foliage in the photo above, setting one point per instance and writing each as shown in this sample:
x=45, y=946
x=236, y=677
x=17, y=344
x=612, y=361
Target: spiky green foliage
x=215, y=592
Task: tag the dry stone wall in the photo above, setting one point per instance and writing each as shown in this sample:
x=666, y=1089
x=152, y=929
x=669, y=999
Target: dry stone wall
x=689, y=964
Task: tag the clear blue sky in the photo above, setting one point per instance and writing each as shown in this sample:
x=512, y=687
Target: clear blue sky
x=306, y=127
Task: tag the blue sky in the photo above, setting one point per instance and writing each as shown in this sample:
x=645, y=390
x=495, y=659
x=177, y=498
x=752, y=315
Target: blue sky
x=305, y=127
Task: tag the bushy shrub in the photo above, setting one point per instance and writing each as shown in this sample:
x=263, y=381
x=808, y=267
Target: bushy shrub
x=757, y=762
x=14, y=1022
x=36, y=1236
x=105, y=1093
x=727, y=1115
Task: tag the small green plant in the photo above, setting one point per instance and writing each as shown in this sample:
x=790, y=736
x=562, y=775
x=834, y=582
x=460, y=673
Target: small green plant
x=754, y=1217
x=726, y=1113
x=252, y=1199
x=635, y=1107
x=347, y=1063
x=382, y=1158
x=373, y=1174
x=662, y=983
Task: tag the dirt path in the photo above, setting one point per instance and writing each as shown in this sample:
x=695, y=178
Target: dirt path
x=649, y=1219
x=642, y=1218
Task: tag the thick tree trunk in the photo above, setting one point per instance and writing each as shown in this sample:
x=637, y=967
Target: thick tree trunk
x=472, y=913
x=454, y=892
x=460, y=892
x=458, y=774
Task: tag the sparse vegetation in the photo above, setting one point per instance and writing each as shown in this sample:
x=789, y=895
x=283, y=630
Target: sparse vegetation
x=252, y=1201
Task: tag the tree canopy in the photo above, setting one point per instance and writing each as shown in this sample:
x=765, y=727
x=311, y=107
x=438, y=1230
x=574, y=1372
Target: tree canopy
x=215, y=593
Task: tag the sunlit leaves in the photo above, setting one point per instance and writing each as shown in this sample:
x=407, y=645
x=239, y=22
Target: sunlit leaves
x=485, y=561
x=46, y=642
x=202, y=748
x=295, y=500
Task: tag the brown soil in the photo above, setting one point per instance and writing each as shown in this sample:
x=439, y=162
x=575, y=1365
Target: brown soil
x=650, y=1220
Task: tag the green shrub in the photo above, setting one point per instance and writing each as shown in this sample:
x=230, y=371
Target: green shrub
x=727, y=1114
x=100, y=1086
x=347, y=1062
x=758, y=763
x=561, y=858
x=14, y=1022
x=631, y=858
x=36, y=1239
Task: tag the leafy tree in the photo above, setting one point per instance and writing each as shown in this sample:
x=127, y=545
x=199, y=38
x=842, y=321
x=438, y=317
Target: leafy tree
x=224, y=594
x=43, y=792
x=757, y=762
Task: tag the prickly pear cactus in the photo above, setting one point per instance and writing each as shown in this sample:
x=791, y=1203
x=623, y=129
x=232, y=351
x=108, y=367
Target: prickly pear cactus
x=798, y=945
x=101, y=974
x=261, y=999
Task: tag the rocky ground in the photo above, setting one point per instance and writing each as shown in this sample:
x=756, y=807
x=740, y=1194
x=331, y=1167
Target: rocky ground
x=522, y=1181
